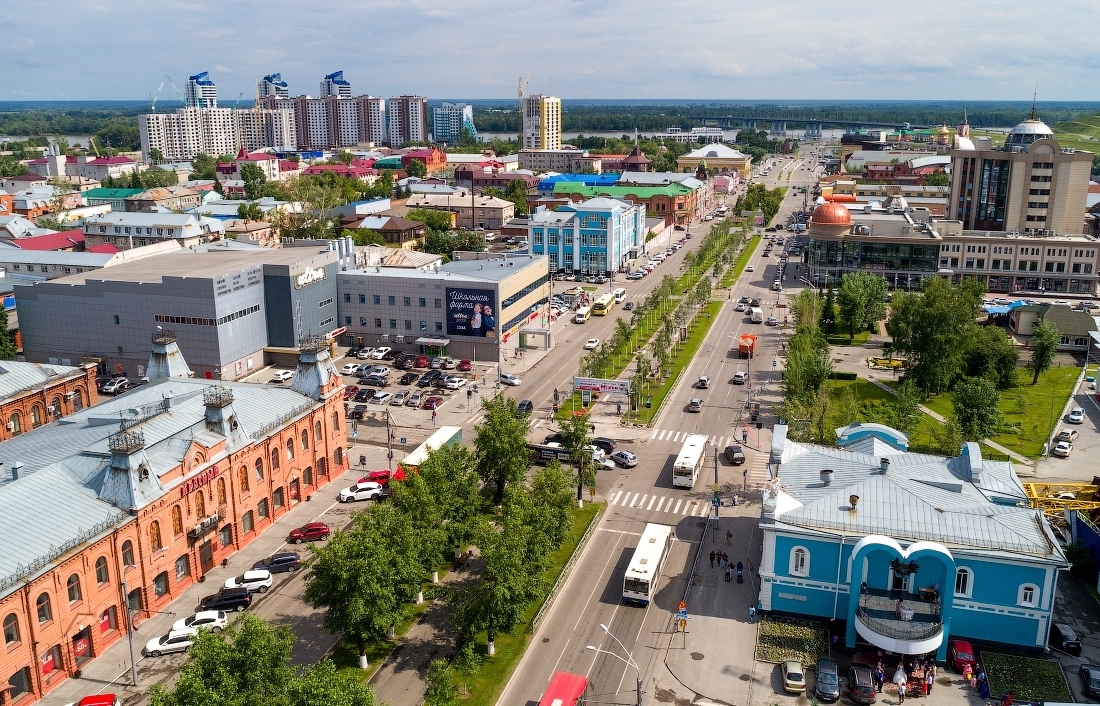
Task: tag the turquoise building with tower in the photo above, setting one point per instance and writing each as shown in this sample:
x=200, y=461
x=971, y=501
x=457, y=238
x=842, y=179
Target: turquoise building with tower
x=909, y=549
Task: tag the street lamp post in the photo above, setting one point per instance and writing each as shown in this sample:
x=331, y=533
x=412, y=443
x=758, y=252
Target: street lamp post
x=628, y=662
x=129, y=625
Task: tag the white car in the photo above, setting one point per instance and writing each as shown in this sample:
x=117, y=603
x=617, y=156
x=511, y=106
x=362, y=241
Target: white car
x=625, y=459
x=255, y=580
x=1076, y=416
x=750, y=268
x=215, y=620
x=454, y=382
x=116, y=386
x=1062, y=448
x=363, y=490
x=349, y=369
x=740, y=307
x=509, y=379
x=399, y=398
x=380, y=370
x=604, y=464
x=592, y=343
x=381, y=397
x=282, y=375
x=740, y=377
x=380, y=353
x=175, y=641
x=594, y=451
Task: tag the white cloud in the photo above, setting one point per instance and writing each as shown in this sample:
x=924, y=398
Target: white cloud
x=852, y=49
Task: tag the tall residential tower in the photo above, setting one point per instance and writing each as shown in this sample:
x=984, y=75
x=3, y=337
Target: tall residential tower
x=540, y=118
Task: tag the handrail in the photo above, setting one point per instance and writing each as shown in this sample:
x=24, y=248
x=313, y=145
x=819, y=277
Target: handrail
x=898, y=629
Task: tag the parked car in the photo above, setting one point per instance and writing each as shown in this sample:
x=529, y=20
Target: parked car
x=695, y=405
x=382, y=476
x=349, y=369
x=624, y=459
x=364, y=395
x=604, y=464
x=116, y=386
x=213, y=620
x=1062, y=449
x=1090, y=680
x=432, y=403
x=380, y=352
x=1067, y=435
x=449, y=363
x=735, y=455
x=437, y=363
x=524, y=408
x=554, y=438
x=408, y=379
x=1076, y=416
x=794, y=678
x=740, y=377
x=960, y=654
x=174, y=641
x=414, y=400
x=827, y=686
x=421, y=361
x=350, y=392
x=363, y=490
x=399, y=398
x=861, y=685
x=465, y=366
x=1064, y=639
x=381, y=397
x=454, y=382
x=509, y=379
x=280, y=562
x=227, y=599
x=635, y=276
x=309, y=532
x=255, y=580
x=364, y=353
x=608, y=445
x=428, y=378
x=594, y=451
x=357, y=412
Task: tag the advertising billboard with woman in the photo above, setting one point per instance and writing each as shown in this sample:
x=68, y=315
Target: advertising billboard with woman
x=471, y=312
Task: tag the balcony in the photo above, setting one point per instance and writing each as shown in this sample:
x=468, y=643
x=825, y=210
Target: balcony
x=918, y=631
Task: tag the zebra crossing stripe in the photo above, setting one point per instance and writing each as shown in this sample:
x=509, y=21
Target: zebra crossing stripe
x=615, y=500
x=650, y=505
x=654, y=433
x=689, y=508
x=678, y=502
x=660, y=504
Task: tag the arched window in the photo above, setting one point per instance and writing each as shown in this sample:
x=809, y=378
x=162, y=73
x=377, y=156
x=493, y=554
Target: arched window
x=45, y=612
x=78, y=399
x=101, y=575
x=55, y=408
x=154, y=536
x=336, y=421
x=317, y=433
x=964, y=583
x=242, y=476
x=339, y=456
x=290, y=449
x=73, y=586
x=11, y=629
x=36, y=417
x=221, y=492
x=259, y=469
x=307, y=476
x=177, y=520
x=800, y=562
x=305, y=439
x=200, y=504
x=274, y=459
x=127, y=553
x=15, y=424
x=1028, y=595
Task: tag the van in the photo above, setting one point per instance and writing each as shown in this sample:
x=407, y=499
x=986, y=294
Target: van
x=583, y=314
x=620, y=294
x=756, y=315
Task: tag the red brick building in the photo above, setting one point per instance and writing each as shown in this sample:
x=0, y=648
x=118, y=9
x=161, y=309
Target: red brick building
x=34, y=394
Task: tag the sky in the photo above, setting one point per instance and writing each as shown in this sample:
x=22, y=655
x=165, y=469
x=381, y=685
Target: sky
x=679, y=49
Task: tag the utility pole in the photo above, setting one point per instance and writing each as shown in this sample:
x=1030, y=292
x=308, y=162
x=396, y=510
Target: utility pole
x=389, y=440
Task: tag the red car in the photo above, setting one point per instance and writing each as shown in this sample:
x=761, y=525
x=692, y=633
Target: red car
x=960, y=654
x=383, y=476
x=421, y=361
x=310, y=532
x=432, y=403
x=350, y=392
x=465, y=365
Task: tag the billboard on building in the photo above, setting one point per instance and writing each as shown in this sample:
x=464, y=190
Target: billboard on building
x=471, y=312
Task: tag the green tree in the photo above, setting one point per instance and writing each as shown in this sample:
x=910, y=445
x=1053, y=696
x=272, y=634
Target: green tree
x=845, y=406
x=7, y=340
x=576, y=435
x=1045, y=339
x=467, y=663
x=441, y=687
x=450, y=473
x=135, y=180
x=469, y=241
x=254, y=179
x=975, y=403
x=250, y=210
x=433, y=219
x=862, y=301
x=937, y=178
x=438, y=242
x=363, y=236
x=204, y=166
x=344, y=157
x=155, y=155
x=501, y=445
x=992, y=354
x=828, y=315
x=157, y=177
x=416, y=168
x=552, y=500
x=905, y=413
x=322, y=684
x=10, y=166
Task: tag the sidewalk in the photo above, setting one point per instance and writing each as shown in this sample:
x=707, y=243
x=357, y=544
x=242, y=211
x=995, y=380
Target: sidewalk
x=110, y=671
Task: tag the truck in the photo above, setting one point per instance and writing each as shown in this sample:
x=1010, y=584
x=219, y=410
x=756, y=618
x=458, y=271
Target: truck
x=756, y=315
x=746, y=347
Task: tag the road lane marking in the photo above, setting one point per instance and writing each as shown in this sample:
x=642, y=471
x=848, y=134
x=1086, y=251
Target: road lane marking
x=660, y=504
x=650, y=505
x=689, y=508
x=631, y=503
x=654, y=433
x=615, y=500
x=678, y=502
x=615, y=531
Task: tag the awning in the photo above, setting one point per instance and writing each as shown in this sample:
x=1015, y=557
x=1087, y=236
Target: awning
x=437, y=342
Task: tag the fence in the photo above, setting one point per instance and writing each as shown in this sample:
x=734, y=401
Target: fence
x=565, y=571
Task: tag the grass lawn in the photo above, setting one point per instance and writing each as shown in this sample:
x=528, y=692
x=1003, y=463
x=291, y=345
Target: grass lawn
x=346, y=655
x=841, y=338
x=873, y=401
x=781, y=639
x=739, y=266
x=494, y=673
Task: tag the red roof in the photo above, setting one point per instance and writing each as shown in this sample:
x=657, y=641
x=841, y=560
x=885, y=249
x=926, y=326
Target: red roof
x=52, y=241
x=42, y=160
x=1094, y=188
x=104, y=249
x=111, y=160
x=256, y=156
x=340, y=169
x=288, y=165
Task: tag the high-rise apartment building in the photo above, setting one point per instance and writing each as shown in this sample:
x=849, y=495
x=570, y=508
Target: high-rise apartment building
x=372, y=119
x=1028, y=184
x=201, y=92
x=540, y=118
x=272, y=86
x=408, y=120
x=335, y=85
x=449, y=119
x=190, y=131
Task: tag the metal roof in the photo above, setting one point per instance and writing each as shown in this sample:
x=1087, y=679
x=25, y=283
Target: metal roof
x=17, y=376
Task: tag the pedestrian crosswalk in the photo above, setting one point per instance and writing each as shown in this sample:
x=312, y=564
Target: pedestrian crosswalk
x=654, y=502
x=758, y=472
x=674, y=436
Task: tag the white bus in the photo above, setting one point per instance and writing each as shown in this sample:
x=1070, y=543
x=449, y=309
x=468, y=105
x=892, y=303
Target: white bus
x=690, y=460
x=620, y=294
x=582, y=315
x=644, y=570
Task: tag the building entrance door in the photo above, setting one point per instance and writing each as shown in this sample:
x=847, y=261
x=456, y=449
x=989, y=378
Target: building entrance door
x=206, y=556
x=82, y=646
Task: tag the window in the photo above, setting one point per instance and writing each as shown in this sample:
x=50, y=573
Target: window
x=20, y=684
x=135, y=600
x=55, y=408
x=393, y=323
x=339, y=457
x=305, y=439
x=221, y=491
x=200, y=504
x=246, y=522
x=423, y=302
x=15, y=424
x=347, y=298
x=964, y=582
x=36, y=417
x=11, y=629
x=242, y=478
x=438, y=326
x=108, y=620
x=261, y=508
x=408, y=325
x=347, y=321
x=127, y=553
x=336, y=421
x=101, y=575
x=259, y=469
x=800, y=562
x=45, y=613
x=290, y=449
x=116, y=319
x=154, y=536
x=225, y=535
x=378, y=323
x=160, y=584
x=277, y=496
x=377, y=299
x=274, y=459
x=307, y=476
x=407, y=301
x=183, y=567
x=392, y=301
x=1028, y=595
x=438, y=303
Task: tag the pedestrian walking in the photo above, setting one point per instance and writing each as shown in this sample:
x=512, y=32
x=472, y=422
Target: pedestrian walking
x=729, y=536
x=901, y=693
x=929, y=680
x=712, y=560
x=880, y=677
x=752, y=614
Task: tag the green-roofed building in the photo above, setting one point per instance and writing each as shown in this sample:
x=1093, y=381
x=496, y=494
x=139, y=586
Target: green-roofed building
x=115, y=197
x=388, y=163
x=675, y=202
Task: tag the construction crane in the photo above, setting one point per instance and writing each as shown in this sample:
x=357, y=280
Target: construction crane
x=155, y=95
x=1055, y=498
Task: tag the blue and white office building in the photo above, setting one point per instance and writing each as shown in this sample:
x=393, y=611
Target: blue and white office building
x=848, y=531
x=597, y=236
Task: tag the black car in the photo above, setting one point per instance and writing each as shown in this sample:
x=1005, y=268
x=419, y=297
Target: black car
x=404, y=361
x=754, y=302
x=828, y=680
x=524, y=408
x=279, y=563
x=861, y=685
x=1064, y=639
x=428, y=378
x=363, y=396
x=351, y=352
x=602, y=442
x=555, y=437
x=358, y=411
x=408, y=378
x=628, y=306
x=372, y=381
x=227, y=599
x=1090, y=680
x=735, y=455
x=391, y=355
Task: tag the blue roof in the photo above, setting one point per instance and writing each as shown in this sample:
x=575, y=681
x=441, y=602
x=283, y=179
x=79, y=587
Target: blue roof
x=547, y=184
x=337, y=77
x=1003, y=309
x=202, y=79
x=276, y=79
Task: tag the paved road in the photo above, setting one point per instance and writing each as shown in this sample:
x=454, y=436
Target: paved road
x=644, y=494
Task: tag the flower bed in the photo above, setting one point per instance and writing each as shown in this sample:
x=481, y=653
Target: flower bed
x=1028, y=679
x=779, y=640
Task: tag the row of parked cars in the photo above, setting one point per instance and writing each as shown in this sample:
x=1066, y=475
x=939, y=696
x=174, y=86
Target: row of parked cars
x=656, y=260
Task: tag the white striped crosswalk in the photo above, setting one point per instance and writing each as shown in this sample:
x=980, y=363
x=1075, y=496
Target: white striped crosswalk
x=674, y=436
x=687, y=507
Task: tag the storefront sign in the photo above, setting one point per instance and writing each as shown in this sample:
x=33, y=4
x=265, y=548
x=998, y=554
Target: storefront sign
x=80, y=646
x=198, y=481
x=597, y=384
x=311, y=275
x=471, y=312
